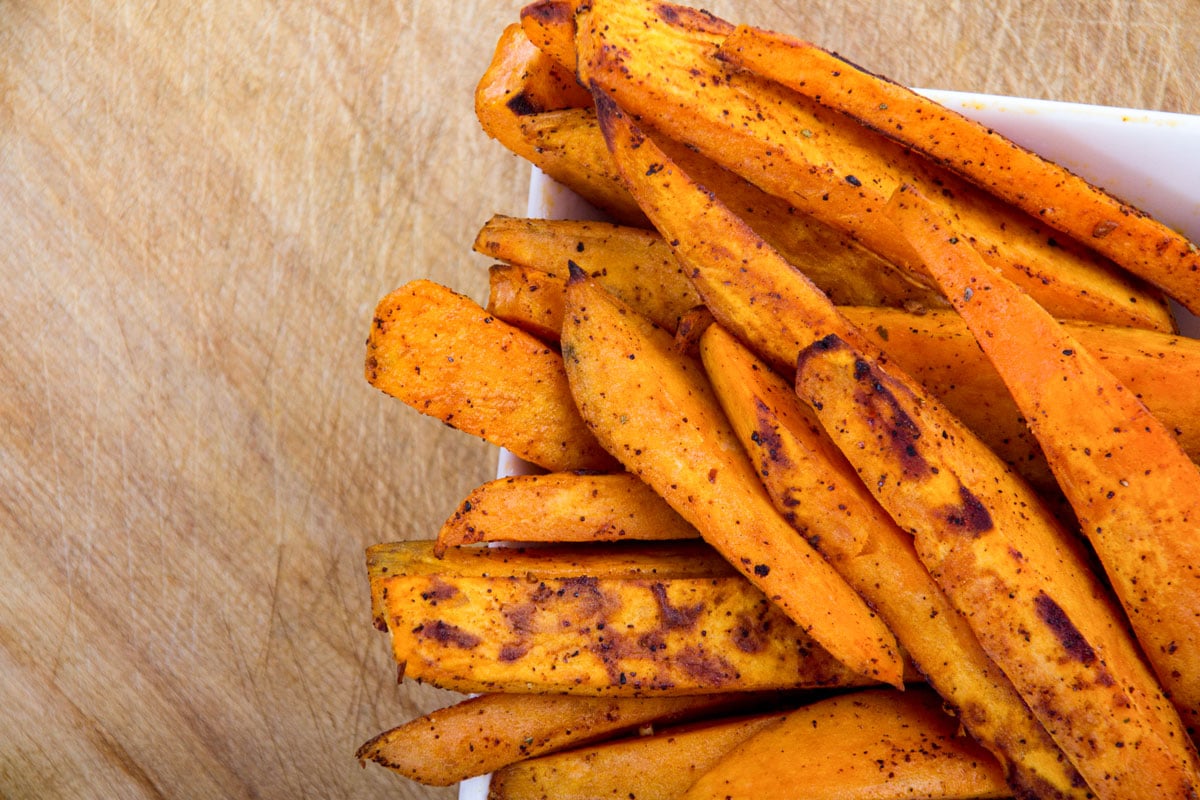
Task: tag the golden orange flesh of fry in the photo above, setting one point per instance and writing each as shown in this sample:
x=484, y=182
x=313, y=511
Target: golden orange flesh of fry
x=444, y=355
x=657, y=61
x=655, y=411
x=1135, y=491
x=819, y=492
x=1010, y=568
x=1131, y=238
x=869, y=745
x=661, y=628
x=563, y=507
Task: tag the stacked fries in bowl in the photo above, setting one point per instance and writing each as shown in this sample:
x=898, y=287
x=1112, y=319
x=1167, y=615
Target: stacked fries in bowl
x=860, y=445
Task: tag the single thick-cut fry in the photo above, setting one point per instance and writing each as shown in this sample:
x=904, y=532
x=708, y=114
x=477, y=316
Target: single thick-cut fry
x=657, y=767
x=487, y=732
x=1055, y=195
x=445, y=356
x=869, y=745
x=563, y=507
x=656, y=60
x=654, y=410
x=817, y=489
x=561, y=142
x=1007, y=566
x=643, y=560
x=664, y=628
x=1135, y=491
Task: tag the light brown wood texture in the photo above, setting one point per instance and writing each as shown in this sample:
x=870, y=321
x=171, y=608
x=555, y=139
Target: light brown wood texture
x=200, y=205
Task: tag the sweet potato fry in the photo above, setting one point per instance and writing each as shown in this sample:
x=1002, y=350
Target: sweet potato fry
x=657, y=767
x=664, y=628
x=561, y=142
x=1135, y=490
x=819, y=492
x=665, y=560
x=1007, y=566
x=563, y=507
x=1055, y=195
x=445, y=356
x=868, y=745
x=656, y=60
x=655, y=411
x=487, y=732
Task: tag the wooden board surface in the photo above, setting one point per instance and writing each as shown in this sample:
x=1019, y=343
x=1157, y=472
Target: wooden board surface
x=200, y=204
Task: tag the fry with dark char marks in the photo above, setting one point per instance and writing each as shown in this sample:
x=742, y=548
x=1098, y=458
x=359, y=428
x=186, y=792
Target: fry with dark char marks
x=677, y=620
x=1130, y=237
x=654, y=410
x=1135, y=491
x=817, y=489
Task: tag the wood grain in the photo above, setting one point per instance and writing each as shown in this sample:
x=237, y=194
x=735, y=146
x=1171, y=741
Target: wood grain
x=200, y=204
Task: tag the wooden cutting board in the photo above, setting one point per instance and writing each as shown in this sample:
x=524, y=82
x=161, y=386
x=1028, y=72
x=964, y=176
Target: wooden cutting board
x=200, y=204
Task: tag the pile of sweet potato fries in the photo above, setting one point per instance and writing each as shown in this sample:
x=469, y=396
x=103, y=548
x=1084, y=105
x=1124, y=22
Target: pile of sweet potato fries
x=864, y=443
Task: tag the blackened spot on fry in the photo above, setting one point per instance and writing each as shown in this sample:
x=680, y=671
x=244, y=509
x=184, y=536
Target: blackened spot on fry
x=971, y=515
x=549, y=12
x=449, y=635
x=672, y=616
x=439, y=590
x=1068, y=635
x=768, y=436
x=522, y=105
x=706, y=668
x=513, y=652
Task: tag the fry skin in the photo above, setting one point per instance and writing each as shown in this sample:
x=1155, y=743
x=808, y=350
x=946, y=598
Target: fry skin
x=868, y=745
x=654, y=410
x=442, y=354
x=1135, y=490
x=562, y=507
x=1130, y=237
x=656, y=60
x=818, y=491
